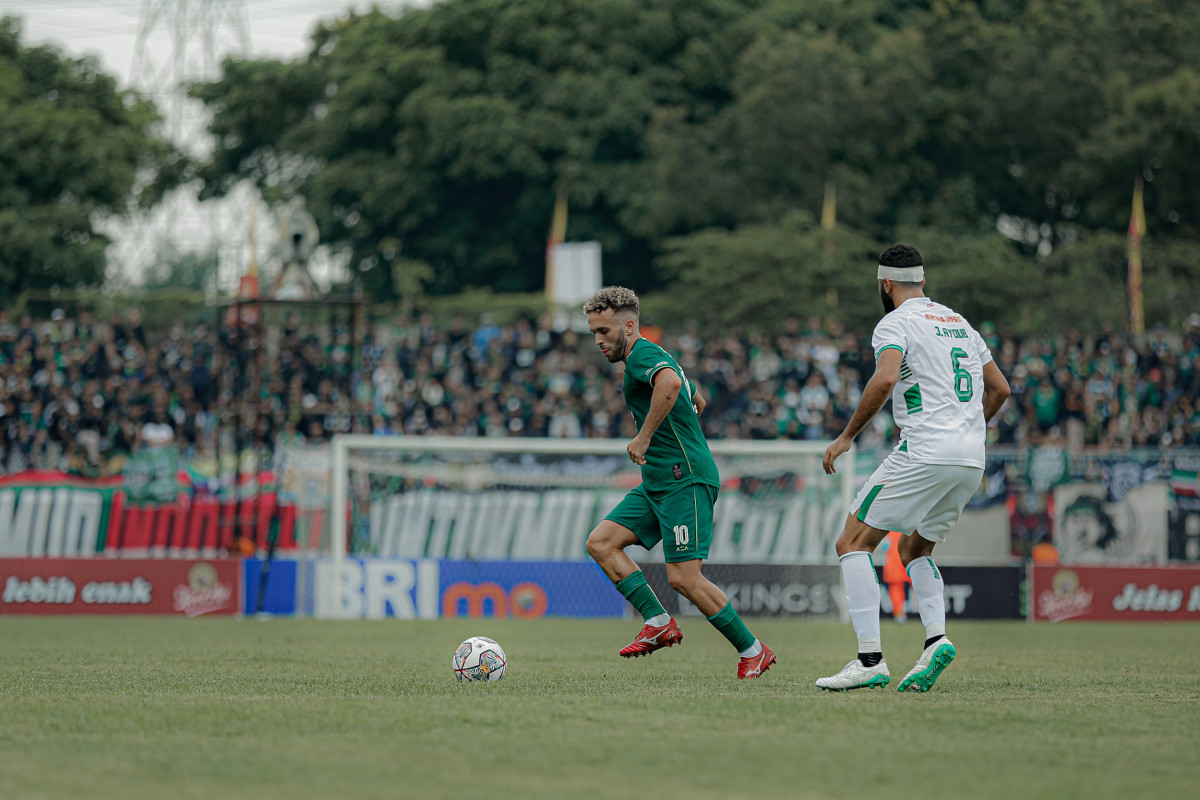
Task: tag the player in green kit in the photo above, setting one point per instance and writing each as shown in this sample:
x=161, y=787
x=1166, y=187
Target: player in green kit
x=674, y=502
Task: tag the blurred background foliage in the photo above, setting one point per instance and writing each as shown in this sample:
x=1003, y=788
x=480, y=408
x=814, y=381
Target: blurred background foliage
x=696, y=140
x=73, y=150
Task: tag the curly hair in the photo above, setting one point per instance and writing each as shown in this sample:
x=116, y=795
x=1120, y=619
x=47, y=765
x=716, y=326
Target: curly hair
x=901, y=255
x=618, y=298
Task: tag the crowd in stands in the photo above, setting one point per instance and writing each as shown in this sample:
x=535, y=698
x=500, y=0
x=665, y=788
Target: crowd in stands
x=78, y=393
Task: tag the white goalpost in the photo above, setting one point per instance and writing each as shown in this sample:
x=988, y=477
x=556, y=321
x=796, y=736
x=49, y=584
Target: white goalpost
x=531, y=499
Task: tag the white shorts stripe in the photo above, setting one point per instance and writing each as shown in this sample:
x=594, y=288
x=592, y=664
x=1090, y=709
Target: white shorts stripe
x=926, y=498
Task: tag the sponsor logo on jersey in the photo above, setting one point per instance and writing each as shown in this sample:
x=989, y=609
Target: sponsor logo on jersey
x=657, y=367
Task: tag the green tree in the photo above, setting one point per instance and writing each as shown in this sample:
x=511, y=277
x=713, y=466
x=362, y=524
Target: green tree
x=806, y=109
x=73, y=149
x=695, y=137
x=1153, y=130
x=760, y=274
x=452, y=128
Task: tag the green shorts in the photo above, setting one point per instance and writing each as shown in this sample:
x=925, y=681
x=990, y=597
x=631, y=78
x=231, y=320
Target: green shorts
x=681, y=520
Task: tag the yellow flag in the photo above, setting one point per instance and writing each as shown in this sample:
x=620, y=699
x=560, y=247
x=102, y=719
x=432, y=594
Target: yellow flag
x=829, y=207
x=558, y=232
x=1137, y=229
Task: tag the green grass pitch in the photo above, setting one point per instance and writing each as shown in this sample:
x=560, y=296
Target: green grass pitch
x=219, y=708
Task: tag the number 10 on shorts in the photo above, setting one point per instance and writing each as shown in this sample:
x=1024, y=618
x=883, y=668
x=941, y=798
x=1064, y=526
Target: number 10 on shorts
x=681, y=535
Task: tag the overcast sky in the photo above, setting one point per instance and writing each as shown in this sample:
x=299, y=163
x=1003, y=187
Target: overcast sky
x=109, y=28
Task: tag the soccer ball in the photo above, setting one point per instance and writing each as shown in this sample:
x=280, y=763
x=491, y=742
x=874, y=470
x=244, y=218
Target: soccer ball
x=479, y=659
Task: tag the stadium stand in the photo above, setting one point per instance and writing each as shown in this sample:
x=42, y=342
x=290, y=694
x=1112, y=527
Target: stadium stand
x=77, y=394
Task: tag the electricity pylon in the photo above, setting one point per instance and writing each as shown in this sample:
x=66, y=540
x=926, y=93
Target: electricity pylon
x=181, y=42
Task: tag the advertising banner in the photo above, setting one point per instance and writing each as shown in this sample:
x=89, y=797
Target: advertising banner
x=528, y=589
x=274, y=587
x=377, y=588
x=775, y=590
x=972, y=593
x=1151, y=594
x=762, y=590
x=119, y=586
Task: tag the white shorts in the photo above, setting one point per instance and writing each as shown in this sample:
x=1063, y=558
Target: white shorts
x=905, y=496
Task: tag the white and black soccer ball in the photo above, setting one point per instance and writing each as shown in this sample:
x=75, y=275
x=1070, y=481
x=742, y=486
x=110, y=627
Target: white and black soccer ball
x=479, y=659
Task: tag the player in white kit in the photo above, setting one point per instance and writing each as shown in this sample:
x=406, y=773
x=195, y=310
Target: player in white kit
x=944, y=387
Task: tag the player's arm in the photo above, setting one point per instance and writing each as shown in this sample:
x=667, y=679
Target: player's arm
x=667, y=384
x=698, y=400
x=874, y=395
x=995, y=390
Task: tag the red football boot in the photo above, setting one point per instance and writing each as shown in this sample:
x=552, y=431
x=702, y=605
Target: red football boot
x=754, y=666
x=653, y=638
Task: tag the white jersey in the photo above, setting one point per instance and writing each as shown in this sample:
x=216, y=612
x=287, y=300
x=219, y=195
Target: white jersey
x=938, y=401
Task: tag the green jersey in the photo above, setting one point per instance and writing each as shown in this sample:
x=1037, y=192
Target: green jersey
x=678, y=455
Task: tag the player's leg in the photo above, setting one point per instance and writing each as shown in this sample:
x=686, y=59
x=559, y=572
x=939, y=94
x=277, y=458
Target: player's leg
x=916, y=553
x=929, y=588
x=686, y=520
x=895, y=498
x=606, y=545
x=633, y=522
x=854, y=547
x=687, y=579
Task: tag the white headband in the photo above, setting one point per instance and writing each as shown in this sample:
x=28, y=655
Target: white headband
x=902, y=274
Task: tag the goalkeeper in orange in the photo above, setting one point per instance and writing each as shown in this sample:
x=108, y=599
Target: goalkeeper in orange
x=896, y=578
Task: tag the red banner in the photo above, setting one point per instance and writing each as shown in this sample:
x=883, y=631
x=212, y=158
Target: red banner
x=51, y=513
x=1157, y=594
x=119, y=586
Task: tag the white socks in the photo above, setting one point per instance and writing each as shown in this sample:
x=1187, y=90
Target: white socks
x=752, y=650
x=930, y=591
x=659, y=620
x=862, y=599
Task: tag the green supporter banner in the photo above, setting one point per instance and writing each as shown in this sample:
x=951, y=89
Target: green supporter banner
x=151, y=476
x=54, y=514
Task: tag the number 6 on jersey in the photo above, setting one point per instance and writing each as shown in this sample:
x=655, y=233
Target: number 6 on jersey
x=963, y=390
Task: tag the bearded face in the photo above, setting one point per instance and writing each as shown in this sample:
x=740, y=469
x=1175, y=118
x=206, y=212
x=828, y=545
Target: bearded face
x=610, y=335
x=619, y=347
x=888, y=304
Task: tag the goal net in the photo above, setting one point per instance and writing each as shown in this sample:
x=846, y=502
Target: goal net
x=537, y=499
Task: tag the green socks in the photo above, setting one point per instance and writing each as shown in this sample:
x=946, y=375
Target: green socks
x=732, y=628
x=639, y=594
